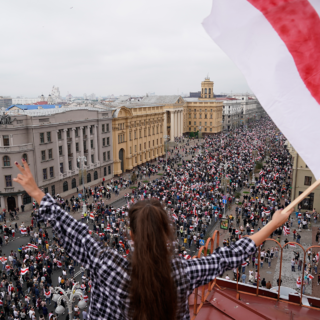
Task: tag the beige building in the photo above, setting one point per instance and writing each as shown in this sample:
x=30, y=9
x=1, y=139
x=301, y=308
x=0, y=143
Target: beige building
x=141, y=126
x=302, y=178
x=205, y=113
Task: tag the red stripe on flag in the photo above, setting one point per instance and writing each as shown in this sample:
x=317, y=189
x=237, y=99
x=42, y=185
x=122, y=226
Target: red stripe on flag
x=298, y=25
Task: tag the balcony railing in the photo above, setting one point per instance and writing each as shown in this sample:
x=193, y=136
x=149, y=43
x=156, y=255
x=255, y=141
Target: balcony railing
x=202, y=293
x=9, y=189
x=17, y=148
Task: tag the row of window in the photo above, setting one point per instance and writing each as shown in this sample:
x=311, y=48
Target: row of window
x=44, y=153
x=200, y=116
x=7, y=161
x=195, y=110
x=42, y=137
x=195, y=123
x=145, y=132
x=104, y=128
x=195, y=129
x=45, y=172
x=145, y=145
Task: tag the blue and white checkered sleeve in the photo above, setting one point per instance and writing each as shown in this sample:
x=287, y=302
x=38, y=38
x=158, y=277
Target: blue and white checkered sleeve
x=202, y=271
x=74, y=235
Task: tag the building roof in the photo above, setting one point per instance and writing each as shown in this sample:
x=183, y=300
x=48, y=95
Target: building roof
x=35, y=107
x=161, y=100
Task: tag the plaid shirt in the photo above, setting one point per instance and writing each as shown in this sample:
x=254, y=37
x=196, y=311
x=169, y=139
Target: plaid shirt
x=110, y=272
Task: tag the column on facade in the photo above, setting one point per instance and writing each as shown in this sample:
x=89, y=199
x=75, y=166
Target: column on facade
x=65, y=151
x=58, y=155
x=176, y=125
x=81, y=142
x=171, y=125
x=95, y=143
x=165, y=125
x=73, y=148
x=88, y=146
x=2, y=202
x=181, y=121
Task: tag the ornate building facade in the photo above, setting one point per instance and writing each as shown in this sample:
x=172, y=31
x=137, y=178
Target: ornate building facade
x=52, y=142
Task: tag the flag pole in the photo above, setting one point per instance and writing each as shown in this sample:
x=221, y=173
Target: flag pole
x=301, y=197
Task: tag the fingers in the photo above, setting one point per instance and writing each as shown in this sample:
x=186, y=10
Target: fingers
x=26, y=166
x=19, y=167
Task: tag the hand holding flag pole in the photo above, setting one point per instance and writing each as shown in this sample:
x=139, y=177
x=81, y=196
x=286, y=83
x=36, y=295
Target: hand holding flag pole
x=301, y=197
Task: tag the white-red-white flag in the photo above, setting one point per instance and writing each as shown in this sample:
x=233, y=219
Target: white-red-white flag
x=276, y=45
x=24, y=270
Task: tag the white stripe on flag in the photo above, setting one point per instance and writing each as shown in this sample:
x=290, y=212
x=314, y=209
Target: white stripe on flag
x=255, y=47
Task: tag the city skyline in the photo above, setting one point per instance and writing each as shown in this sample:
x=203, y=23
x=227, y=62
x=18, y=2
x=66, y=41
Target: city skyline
x=111, y=48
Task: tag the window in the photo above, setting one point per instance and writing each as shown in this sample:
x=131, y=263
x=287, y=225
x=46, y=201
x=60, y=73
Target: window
x=195, y=110
x=8, y=181
x=307, y=181
x=91, y=144
x=51, y=172
x=105, y=171
x=205, y=116
x=59, y=135
x=77, y=132
x=211, y=116
x=26, y=199
x=189, y=115
x=85, y=145
x=92, y=158
x=25, y=157
x=44, y=174
x=41, y=137
x=135, y=134
x=60, y=150
x=135, y=148
x=140, y=147
x=104, y=156
x=90, y=129
x=307, y=203
x=210, y=129
x=145, y=145
x=130, y=136
x=103, y=128
x=46, y=190
x=104, y=142
x=53, y=190
x=200, y=123
x=195, y=123
x=195, y=116
x=210, y=123
x=69, y=150
x=95, y=175
x=65, y=186
x=70, y=165
x=88, y=177
x=48, y=136
x=205, y=123
x=77, y=146
x=6, y=161
x=73, y=183
x=109, y=169
x=189, y=129
x=130, y=150
x=189, y=123
x=43, y=155
x=108, y=141
x=149, y=144
x=50, y=154
x=61, y=167
x=68, y=133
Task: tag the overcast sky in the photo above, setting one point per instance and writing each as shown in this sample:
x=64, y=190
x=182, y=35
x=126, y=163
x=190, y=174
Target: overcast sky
x=110, y=47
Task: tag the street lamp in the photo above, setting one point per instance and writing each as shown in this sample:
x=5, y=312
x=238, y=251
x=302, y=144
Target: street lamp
x=82, y=160
x=166, y=137
x=68, y=297
x=225, y=186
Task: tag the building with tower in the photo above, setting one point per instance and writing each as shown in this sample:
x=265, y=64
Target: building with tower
x=203, y=114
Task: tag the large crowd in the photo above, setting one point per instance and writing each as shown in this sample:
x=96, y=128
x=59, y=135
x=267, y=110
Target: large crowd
x=197, y=185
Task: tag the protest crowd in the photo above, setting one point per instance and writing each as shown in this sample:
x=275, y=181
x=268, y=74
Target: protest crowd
x=198, y=184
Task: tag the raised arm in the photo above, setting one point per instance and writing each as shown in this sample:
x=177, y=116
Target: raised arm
x=202, y=271
x=74, y=235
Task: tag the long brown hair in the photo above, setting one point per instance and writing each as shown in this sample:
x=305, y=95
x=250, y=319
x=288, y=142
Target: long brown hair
x=153, y=294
